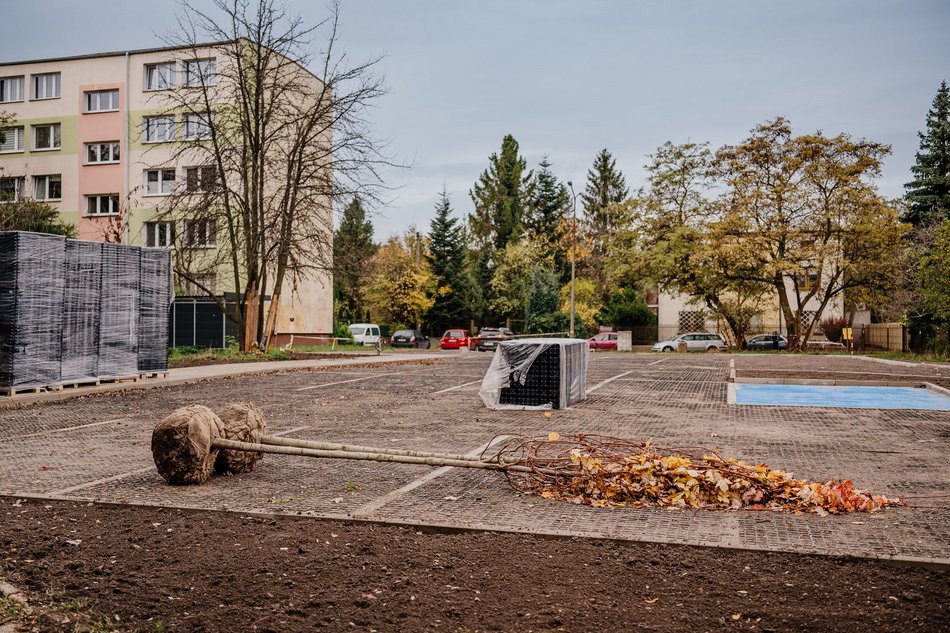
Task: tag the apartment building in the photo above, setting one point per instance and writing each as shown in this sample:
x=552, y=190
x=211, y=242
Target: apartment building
x=92, y=137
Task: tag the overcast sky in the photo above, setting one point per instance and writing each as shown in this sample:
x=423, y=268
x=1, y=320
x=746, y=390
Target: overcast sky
x=568, y=78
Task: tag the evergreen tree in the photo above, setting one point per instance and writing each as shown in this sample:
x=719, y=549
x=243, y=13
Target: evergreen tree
x=500, y=197
x=548, y=205
x=928, y=194
x=542, y=300
x=353, y=247
x=446, y=257
x=606, y=186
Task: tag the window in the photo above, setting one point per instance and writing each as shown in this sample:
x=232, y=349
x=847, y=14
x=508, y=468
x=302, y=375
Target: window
x=807, y=280
x=199, y=233
x=11, y=89
x=200, y=179
x=48, y=187
x=104, y=152
x=46, y=136
x=160, y=76
x=159, y=129
x=102, y=101
x=159, y=234
x=46, y=86
x=202, y=282
x=159, y=182
x=201, y=72
x=10, y=189
x=11, y=139
x=102, y=204
x=198, y=126
x=692, y=320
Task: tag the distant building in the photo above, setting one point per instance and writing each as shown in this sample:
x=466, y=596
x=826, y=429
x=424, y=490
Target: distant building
x=89, y=140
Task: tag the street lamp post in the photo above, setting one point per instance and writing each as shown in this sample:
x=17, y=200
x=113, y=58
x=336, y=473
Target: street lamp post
x=573, y=249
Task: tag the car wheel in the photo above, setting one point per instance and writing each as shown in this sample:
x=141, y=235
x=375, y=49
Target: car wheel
x=712, y=348
x=667, y=349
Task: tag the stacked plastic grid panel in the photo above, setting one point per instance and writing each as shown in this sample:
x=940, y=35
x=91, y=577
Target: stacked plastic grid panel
x=81, y=311
x=536, y=374
x=119, y=316
x=154, y=298
x=31, y=315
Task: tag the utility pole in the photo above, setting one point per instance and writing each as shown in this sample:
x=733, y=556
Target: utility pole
x=573, y=249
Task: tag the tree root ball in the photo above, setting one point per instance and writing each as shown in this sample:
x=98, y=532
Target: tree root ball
x=181, y=444
x=243, y=422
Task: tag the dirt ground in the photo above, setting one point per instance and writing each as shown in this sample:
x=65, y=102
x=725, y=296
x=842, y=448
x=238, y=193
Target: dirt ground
x=199, y=361
x=103, y=568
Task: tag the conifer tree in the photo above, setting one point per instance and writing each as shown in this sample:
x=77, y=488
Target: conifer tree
x=446, y=257
x=548, y=205
x=928, y=194
x=606, y=186
x=500, y=197
x=353, y=246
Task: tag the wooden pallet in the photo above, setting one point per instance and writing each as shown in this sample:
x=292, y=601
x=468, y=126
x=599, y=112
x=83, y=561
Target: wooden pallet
x=153, y=374
x=12, y=391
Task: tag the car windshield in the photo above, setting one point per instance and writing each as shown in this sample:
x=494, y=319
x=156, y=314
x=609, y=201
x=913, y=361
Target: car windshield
x=403, y=333
x=454, y=334
x=357, y=331
x=489, y=332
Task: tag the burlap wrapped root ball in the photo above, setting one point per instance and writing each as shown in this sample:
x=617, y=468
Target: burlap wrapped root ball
x=181, y=444
x=243, y=422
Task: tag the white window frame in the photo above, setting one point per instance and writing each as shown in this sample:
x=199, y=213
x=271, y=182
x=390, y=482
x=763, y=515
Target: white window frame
x=199, y=178
x=159, y=234
x=17, y=188
x=198, y=123
x=18, y=134
x=114, y=153
x=87, y=99
x=198, y=69
x=112, y=204
x=55, y=134
x=160, y=76
x=41, y=187
x=199, y=233
x=44, y=80
x=165, y=185
x=11, y=89
x=165, y=120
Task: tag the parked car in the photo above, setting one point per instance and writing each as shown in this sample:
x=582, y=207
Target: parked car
x=488, y=337
x=767, y=341
x=410, y=338
x=604, y=340
x=695, y=342
x=455, y=339
x=365, y=333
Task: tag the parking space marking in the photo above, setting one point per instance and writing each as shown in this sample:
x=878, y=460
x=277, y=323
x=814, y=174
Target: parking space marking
x=609, y=380
x=376, y=504
x=656, y=362
x=70, y=428
x=343, y=382
x=464, y=384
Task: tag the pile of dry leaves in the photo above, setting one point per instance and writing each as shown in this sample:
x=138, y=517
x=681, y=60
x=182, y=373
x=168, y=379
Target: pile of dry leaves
x=604, y=471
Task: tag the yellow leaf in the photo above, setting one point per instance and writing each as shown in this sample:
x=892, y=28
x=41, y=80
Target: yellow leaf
x=553, y=436
x=736, y=616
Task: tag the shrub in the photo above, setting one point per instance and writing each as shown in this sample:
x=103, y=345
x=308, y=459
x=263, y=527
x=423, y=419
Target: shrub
x=832, y=327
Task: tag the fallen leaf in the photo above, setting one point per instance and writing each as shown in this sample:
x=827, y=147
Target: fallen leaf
x=651, y=600
x=74, y=542
x=553, y=435
x=736, y=616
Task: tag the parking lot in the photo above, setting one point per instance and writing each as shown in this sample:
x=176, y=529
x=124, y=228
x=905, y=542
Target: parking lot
x=97, y=448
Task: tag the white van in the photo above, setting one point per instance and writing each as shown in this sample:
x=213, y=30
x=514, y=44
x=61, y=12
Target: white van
x=364, y=333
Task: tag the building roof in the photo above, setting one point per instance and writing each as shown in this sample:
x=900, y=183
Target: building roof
x=138, y=51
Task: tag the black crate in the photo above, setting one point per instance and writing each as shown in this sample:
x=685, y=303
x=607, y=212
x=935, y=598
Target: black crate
x=538, y=386
x=81, y=311
x=118, y=325
x=539, y=373
x=154, y=300
x=31, y=315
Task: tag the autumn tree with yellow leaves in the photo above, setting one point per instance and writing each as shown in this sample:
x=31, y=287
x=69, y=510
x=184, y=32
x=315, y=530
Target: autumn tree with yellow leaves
x=400, y=287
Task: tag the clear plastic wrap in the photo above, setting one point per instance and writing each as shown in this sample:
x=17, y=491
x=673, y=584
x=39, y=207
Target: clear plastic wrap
x=155, y=295
x=81, y=311
x=31, y=313
x=118, y=324
x=539, y=373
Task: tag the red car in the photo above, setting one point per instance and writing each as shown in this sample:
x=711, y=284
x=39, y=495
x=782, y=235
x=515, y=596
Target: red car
x=604, y=340
x=455, y=339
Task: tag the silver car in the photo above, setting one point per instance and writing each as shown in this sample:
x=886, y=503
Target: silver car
x=695, y=342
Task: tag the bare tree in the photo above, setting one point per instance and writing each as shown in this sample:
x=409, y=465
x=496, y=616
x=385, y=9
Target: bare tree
x=270, y=149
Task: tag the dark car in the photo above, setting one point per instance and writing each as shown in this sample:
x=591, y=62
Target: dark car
x=488, y=337
x=410, y=338
x=767, y=341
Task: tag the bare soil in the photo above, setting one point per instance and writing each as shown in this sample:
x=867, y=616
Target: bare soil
x=199, y=361
x=102, y=567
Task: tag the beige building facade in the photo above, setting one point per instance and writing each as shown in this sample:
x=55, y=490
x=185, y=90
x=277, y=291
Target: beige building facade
x=92, y=136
